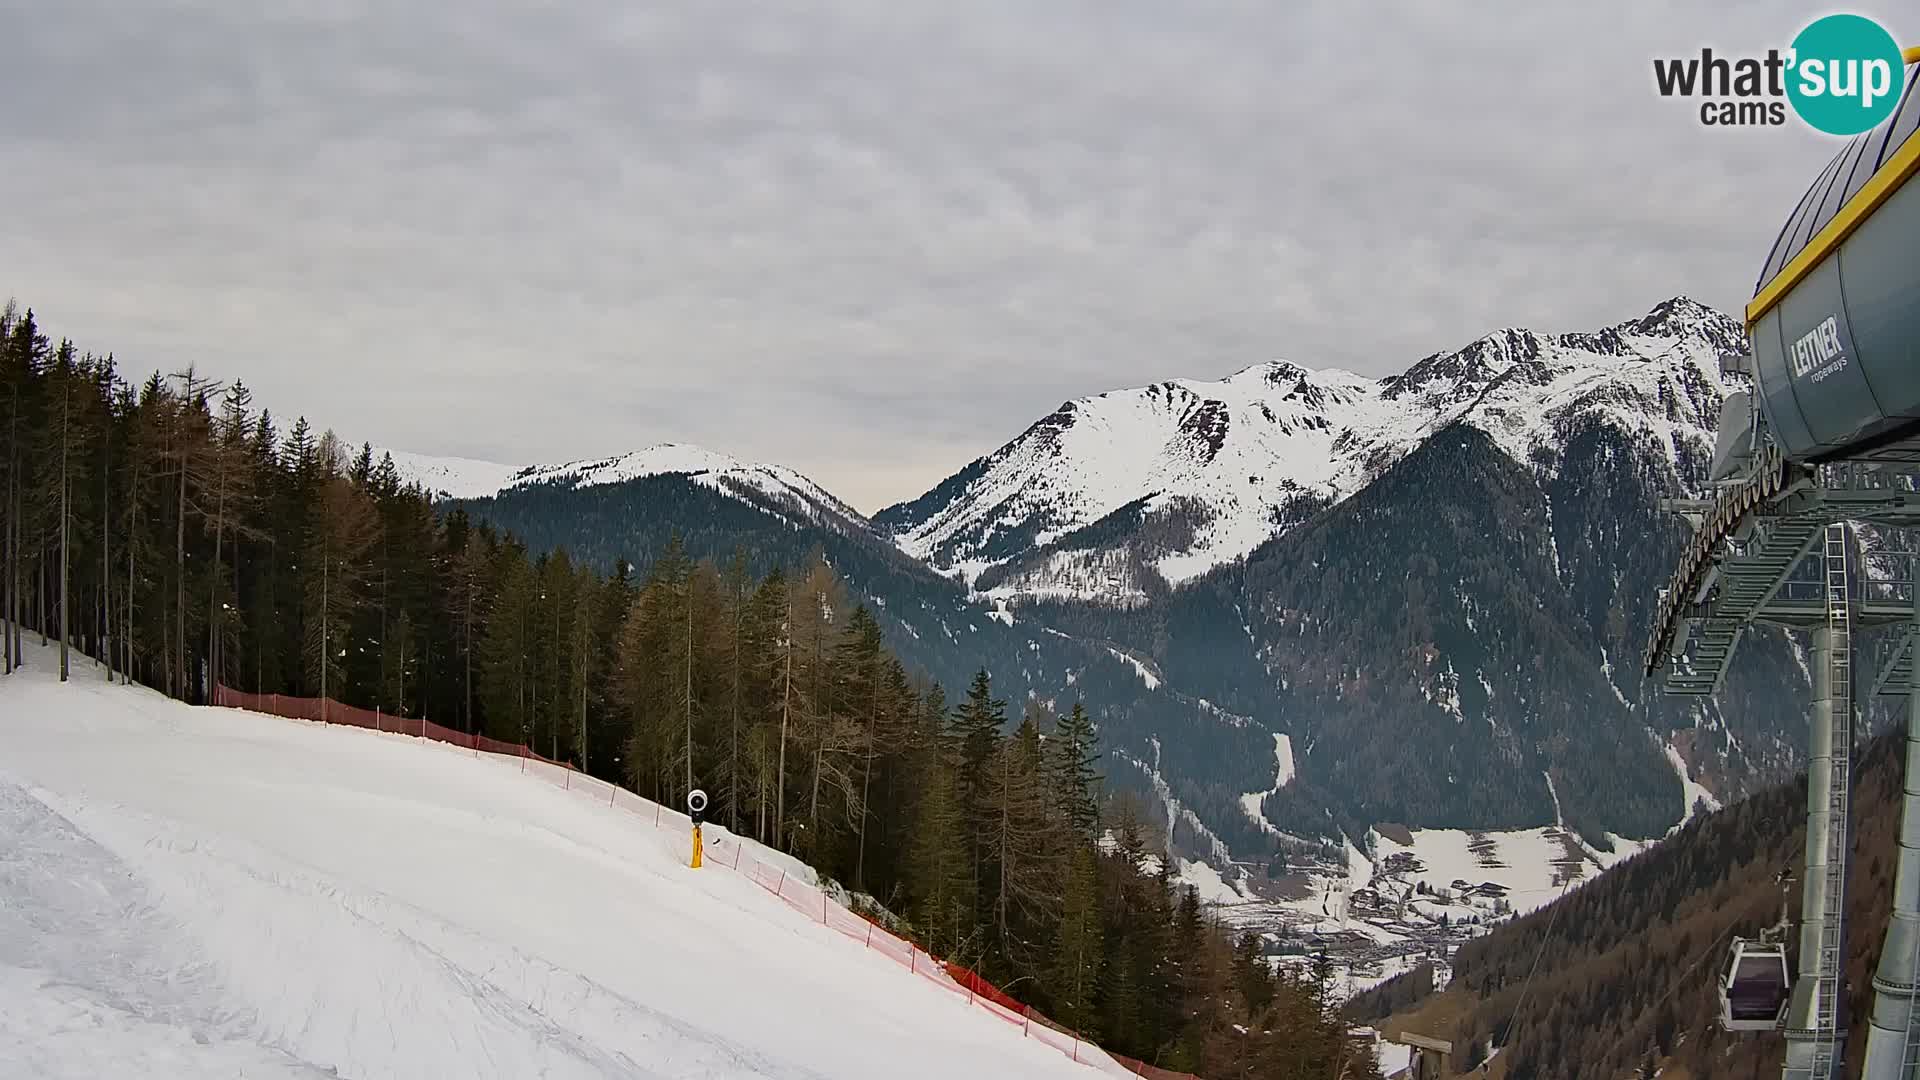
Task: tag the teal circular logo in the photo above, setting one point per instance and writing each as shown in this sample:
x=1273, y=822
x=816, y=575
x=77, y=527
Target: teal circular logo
x=1845, y=74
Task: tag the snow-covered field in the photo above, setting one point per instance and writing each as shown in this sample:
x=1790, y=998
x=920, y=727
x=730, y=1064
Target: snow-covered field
x=206, y=892
x=1532, y=864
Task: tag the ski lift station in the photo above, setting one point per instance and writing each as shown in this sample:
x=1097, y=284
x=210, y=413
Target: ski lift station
x=1826, y=442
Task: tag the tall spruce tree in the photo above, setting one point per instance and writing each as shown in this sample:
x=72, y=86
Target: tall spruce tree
x=343, y=531
x=1073, y=974
x=1074, y=757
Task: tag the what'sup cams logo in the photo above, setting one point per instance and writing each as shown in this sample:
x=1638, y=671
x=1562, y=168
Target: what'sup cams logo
x=1843, y=75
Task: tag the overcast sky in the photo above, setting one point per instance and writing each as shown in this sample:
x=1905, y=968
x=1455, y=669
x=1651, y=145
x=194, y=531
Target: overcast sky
x=871, y=239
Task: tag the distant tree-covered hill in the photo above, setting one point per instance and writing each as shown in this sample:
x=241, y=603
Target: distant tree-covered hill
x=1627, y=964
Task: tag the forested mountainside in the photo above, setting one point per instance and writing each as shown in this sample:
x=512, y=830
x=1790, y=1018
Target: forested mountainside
x=1454, y=642
x=184, y=540
x=1205, y=756
x=1627, y=964
x=1456, y=645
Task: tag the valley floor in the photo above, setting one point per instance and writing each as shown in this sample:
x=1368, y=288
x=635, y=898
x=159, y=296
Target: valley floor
x=206, y=892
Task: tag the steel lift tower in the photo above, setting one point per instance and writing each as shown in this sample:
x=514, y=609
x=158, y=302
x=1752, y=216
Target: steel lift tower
x=1824, y=445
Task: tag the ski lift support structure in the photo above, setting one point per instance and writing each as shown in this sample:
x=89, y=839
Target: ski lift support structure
x=1827, y=437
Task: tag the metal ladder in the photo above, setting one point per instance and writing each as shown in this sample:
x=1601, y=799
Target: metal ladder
x=1840, y=690
x=1910, y=1053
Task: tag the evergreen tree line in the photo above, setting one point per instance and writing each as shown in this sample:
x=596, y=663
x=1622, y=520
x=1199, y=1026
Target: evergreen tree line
x=170, y=534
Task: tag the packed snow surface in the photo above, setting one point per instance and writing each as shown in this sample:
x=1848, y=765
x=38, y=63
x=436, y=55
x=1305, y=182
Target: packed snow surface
x=194, y=892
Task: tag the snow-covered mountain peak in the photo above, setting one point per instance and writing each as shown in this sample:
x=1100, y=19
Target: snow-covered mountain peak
x=1683, y=316
x=1172, y=479
x=452, y=477
x=1270, y=373
x=782, y=487
x=703, y=466
x=656, y=460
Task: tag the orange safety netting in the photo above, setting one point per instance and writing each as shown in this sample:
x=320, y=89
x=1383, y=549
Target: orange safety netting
x=729, y=853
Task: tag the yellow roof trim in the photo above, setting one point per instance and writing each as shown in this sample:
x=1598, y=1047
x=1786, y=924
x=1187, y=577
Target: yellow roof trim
x=1889, y=179
x=1911, y=56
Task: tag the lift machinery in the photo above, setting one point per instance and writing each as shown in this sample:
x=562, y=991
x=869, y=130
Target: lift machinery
x=1825, y=445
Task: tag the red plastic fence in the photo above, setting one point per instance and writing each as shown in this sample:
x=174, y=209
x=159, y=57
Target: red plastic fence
x=725, y=851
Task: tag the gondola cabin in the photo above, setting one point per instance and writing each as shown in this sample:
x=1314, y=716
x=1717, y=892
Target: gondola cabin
x=1753, y=993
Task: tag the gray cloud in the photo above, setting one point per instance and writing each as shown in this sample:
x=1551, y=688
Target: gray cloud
x=867, y=239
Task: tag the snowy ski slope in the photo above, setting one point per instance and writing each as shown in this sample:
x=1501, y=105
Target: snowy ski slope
x=207, y=892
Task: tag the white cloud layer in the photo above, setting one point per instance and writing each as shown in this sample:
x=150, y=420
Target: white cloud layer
x=867, y=239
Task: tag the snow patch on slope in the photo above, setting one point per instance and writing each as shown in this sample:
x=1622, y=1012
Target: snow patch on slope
x=452, y=477
x=1283, y=759
x=1695, y=793
x=1207, y=882
x=1146, y=675
x=1283, y=774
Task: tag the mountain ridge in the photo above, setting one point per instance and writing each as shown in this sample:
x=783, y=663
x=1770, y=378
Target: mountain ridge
x=1224, y=466
x=1200, y=590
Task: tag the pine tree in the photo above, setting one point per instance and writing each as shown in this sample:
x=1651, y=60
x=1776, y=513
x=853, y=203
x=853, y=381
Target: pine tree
x=787, y=647
x=738, y=662
x=188, y=450
x=296, y=495
x=586, y=602
x=1076, y=953
x=1021, y=840
x=862, y=682
x=112, y=441
x=229, y=499
x=556, y=644
x=655, y=676
x=343, y=532
x=606, y=739
x=1253, y=976
x=1075, y=779
x=58, y=450
x=1193, y=999
x=24, y=352
x=977, y=723
x=505, y=651
x=822, y=731
x=941, y=858
x=469, y=597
